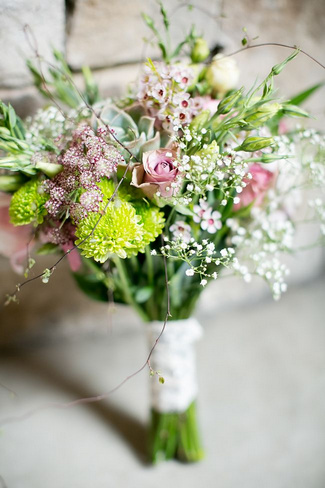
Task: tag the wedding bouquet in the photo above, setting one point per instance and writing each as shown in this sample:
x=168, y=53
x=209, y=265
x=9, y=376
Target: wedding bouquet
x=153, y=195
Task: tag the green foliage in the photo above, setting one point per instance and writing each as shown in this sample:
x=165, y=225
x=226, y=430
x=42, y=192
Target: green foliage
x=168, y=53
x=27, y=204
x=92, y=285
x=48, y=248
x=10, y=183
x=58, y=83
x=17, y=150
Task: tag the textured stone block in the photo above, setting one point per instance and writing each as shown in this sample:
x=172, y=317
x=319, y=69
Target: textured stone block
x=105, y=33
x=46, y=21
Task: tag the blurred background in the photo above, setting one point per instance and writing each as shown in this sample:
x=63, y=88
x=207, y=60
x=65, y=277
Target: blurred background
x=261, y=364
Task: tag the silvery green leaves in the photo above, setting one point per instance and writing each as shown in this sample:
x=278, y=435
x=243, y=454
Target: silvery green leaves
x=138, y=137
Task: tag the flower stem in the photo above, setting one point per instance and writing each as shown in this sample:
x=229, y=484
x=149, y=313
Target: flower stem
x=126, y=289
x=175, y=435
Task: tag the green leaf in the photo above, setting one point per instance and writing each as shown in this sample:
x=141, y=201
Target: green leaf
x=293, y=111
x=9, y=183
x=48, y=248
x=164, y=16
x=183, y=210
x=302, y=96
x=12, y=117
x=163, y=50
x=150, y=23
x=143, y=294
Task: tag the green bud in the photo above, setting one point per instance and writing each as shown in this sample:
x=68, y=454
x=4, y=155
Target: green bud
x=269, y=158
x=200, y=50
x=228, y=102
x=49, y=169
x=276, y=70
x=46, y=275
x=264, y=113
x=252, y=144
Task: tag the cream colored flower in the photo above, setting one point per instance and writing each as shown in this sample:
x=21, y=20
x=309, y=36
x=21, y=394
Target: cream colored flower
x=222, y=74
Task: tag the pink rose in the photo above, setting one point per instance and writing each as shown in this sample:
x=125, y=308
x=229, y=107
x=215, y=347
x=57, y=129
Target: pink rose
x=157, y=173
x=256, y=187
x=13, y=240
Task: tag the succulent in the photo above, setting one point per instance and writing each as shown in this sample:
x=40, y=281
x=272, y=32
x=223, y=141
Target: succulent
x=133, y=128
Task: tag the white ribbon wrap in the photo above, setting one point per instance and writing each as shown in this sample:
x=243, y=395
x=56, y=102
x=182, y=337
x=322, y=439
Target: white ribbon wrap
x=174, y=357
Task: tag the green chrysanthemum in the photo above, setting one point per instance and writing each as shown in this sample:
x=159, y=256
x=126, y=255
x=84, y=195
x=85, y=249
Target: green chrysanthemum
x=153, y=222
x=27, y=204
x=124, y=230
x=118, y=231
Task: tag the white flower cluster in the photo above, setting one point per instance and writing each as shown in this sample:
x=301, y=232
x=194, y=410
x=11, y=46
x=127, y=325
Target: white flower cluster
x=203, y=258
x=269, y=234
x=48, y=123
x=207, y=169
x=318, y=205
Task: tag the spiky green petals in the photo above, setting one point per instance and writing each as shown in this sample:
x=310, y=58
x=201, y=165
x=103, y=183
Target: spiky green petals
x=27, y=204
x=117, y=232
x=123, y=229
x=153, y=222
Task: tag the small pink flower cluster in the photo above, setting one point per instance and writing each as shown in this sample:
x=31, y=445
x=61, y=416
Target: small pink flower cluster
x=162, y=91
x=208, y=219
x=88, y=158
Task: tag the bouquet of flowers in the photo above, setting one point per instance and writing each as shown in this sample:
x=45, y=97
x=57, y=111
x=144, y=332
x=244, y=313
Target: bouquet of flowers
x=153, y=195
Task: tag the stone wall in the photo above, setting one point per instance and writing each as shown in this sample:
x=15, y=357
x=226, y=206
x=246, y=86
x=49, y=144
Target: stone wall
x=108, y=36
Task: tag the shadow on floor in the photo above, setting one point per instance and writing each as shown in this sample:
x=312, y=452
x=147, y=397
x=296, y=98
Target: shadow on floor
x=128, y=427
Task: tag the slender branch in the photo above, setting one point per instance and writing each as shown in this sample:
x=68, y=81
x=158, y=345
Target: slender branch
x=98, y=398
x=276, y=44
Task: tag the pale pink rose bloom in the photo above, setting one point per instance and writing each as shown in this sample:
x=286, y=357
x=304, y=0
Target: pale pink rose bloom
x=157, y=173
x=256, y=187
x=13, y=240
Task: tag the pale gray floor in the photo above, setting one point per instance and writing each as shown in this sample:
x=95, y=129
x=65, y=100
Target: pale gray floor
x=262, y=403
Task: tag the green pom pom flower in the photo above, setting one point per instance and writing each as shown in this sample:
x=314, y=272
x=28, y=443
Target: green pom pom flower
x=123, y=230
x=153, y=222
x=118, y=231
x=27, y=204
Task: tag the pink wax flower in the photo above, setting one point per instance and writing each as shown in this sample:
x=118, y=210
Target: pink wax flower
x=13, y=240
x=158, y=173
x=256, y=186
